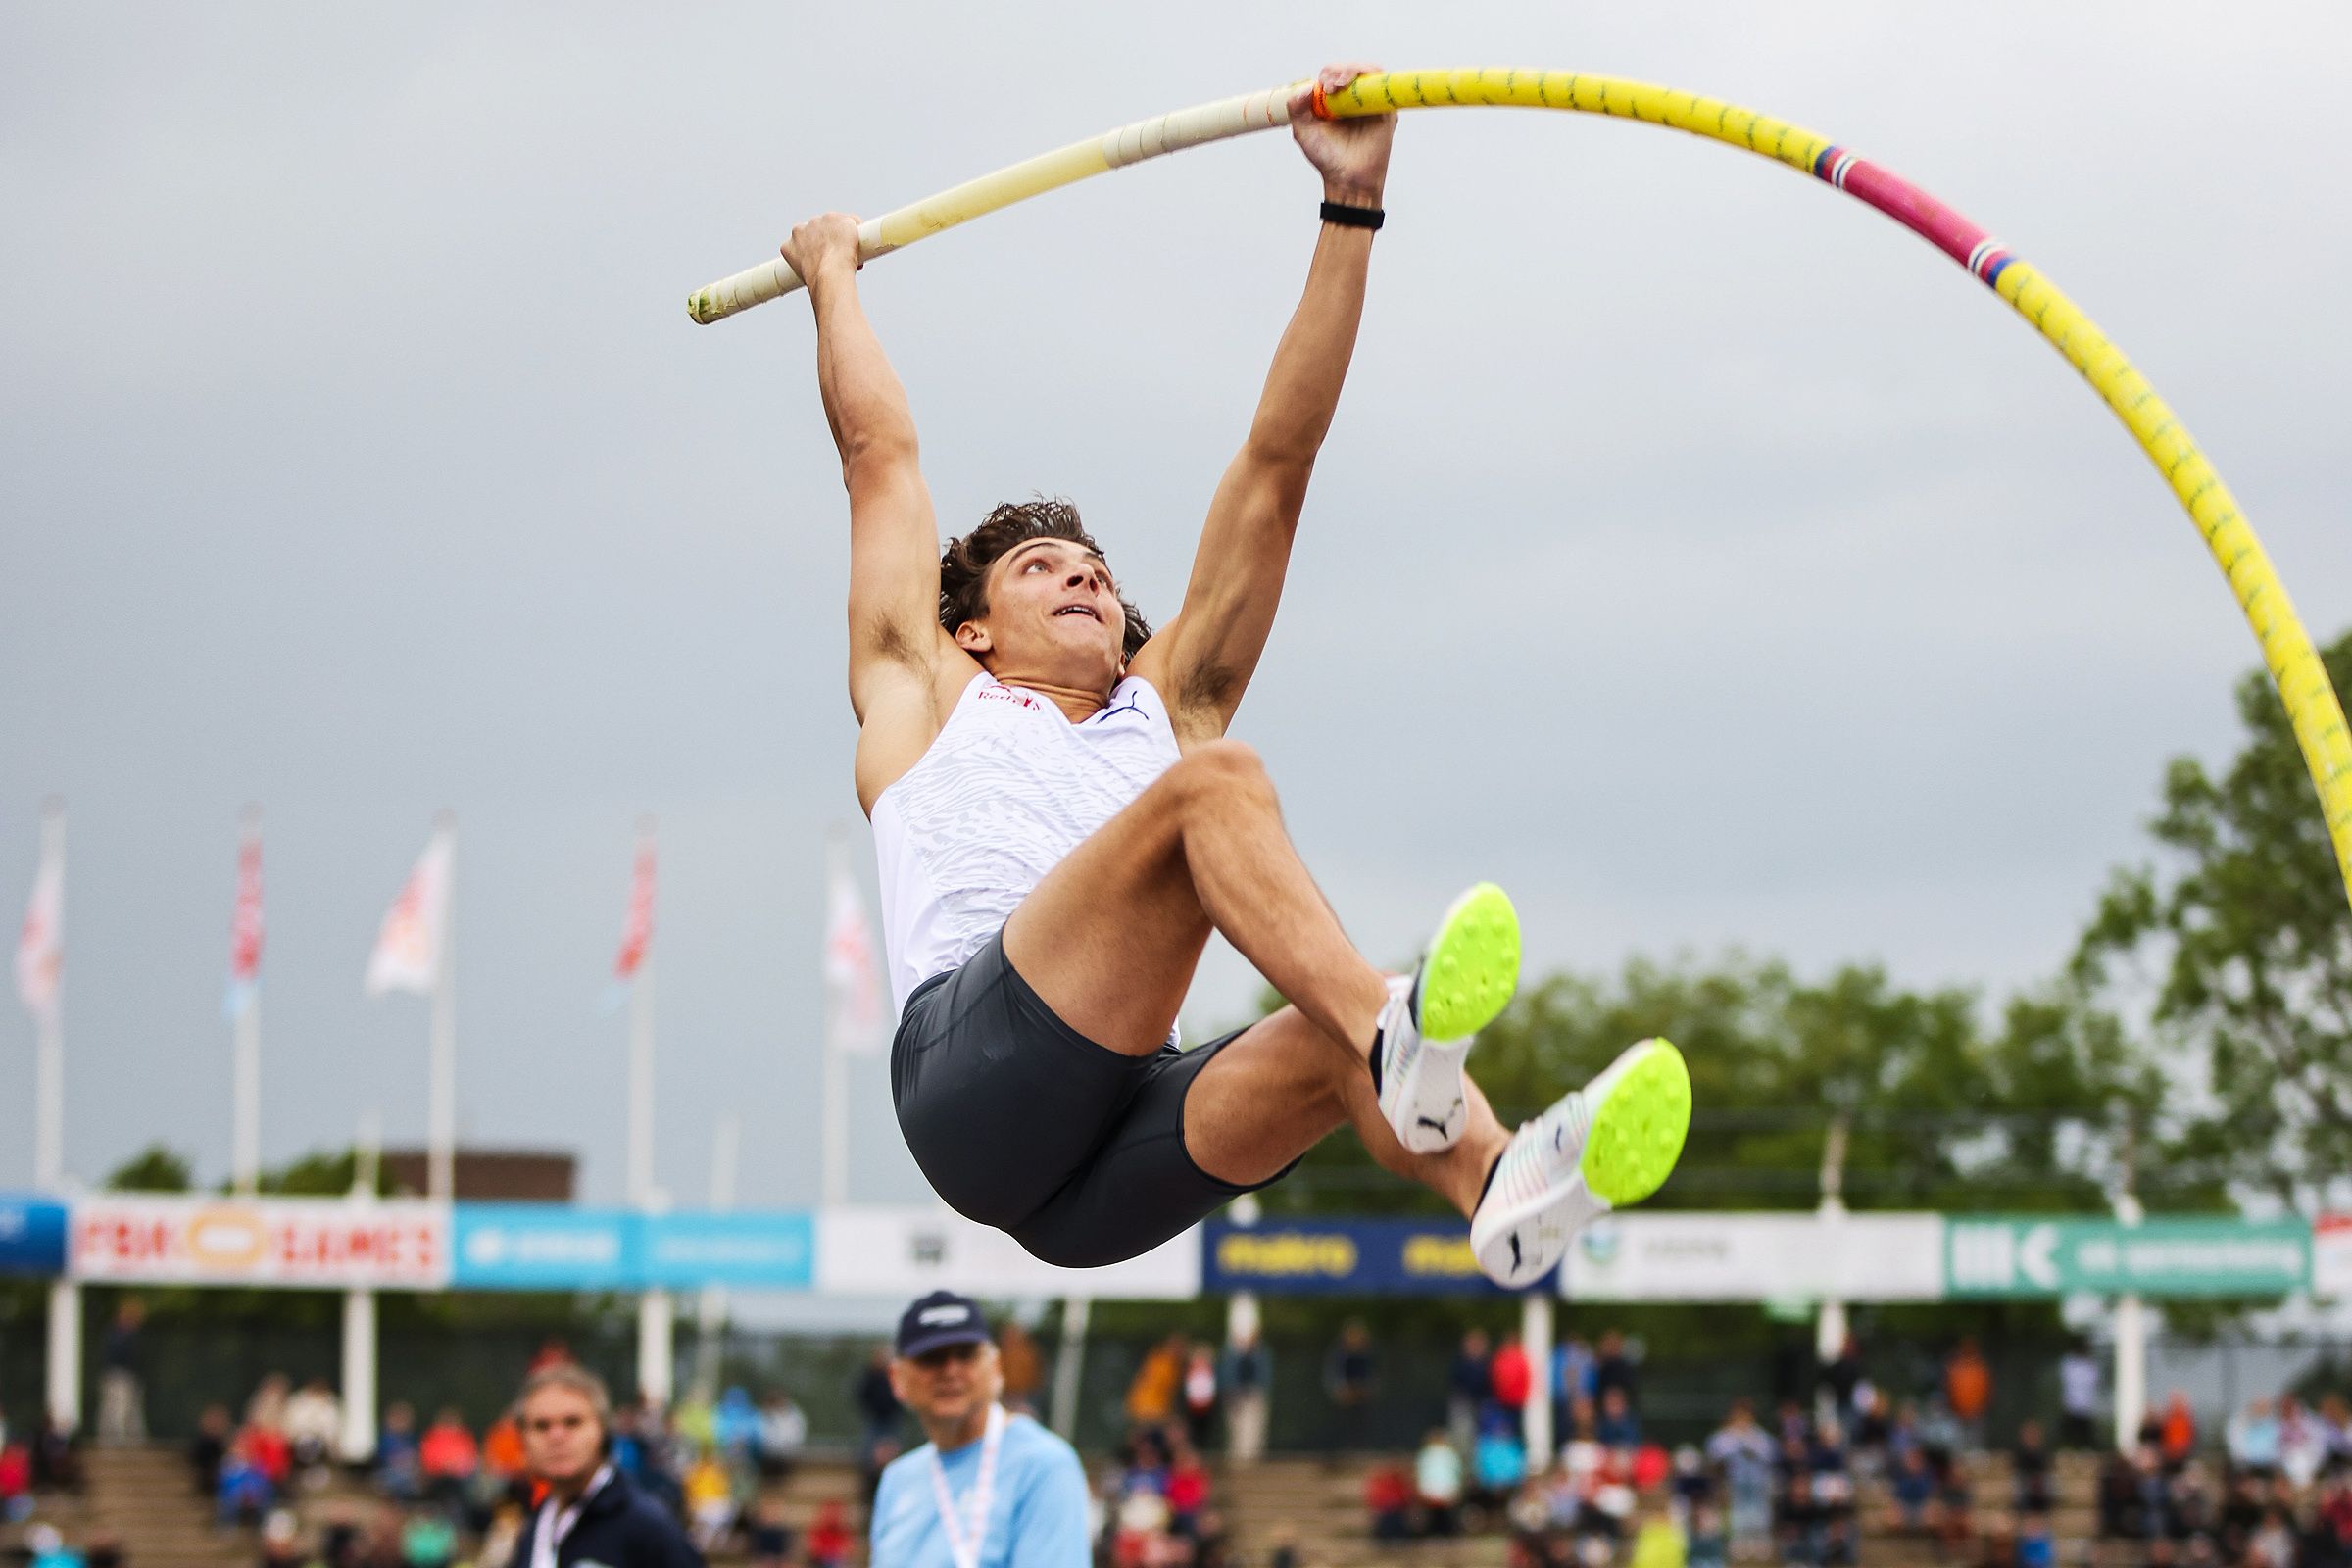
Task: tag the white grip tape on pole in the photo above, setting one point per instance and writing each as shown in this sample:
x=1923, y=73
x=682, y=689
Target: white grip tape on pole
x=771, y=279
x=1190, y=127
x=1113, y=149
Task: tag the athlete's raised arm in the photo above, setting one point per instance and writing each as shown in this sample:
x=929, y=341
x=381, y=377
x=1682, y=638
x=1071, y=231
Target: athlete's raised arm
x=896, y=643
x=1203, y=660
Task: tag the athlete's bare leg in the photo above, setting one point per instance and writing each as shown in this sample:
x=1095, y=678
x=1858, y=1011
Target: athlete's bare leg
x=1110, y=938
x=1281, y=1088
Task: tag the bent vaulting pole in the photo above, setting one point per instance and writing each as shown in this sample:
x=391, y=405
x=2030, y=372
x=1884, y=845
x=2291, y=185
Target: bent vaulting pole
x=2311, y=708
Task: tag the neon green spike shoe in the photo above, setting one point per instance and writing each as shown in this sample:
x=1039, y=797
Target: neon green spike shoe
x=1464, y=979
x=1612, y=1142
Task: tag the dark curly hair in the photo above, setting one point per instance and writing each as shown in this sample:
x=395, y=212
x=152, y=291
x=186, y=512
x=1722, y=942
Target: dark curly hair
x=963, y=564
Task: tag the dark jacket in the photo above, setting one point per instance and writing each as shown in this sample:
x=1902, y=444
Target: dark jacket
x=619, y=1528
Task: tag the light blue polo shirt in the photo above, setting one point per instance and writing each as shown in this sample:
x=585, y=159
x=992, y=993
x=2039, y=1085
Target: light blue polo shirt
x=1036, y=1518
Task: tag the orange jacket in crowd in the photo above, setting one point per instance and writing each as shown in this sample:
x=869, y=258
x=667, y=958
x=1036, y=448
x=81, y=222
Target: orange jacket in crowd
x=1151, y=1396
x=2177, y=1436
x=501, y=1448
x=1967, y=1382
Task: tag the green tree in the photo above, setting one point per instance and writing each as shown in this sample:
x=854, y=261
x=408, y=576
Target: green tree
x=2234, y=947
x=1941, y=1109
x=152, y=1169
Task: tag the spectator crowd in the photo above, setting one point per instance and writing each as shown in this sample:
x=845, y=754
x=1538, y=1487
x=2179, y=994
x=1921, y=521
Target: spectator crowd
x=1803, y=1485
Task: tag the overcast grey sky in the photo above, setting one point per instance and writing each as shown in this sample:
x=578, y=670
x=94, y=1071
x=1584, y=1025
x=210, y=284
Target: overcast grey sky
x=1697, y=552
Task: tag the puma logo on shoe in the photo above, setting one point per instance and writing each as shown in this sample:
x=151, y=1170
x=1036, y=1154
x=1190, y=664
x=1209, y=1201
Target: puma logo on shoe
x=1515, y=1259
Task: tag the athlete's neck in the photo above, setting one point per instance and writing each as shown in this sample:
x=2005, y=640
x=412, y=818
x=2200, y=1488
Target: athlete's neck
x=1078, y=704
x=949, y=1436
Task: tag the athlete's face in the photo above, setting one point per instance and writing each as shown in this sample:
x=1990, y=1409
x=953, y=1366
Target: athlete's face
x=948, y=1386
x=1053, y=613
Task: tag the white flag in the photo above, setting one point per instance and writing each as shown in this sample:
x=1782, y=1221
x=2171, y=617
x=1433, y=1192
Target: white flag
x=408, y=947
x=42, y=945
x=853, y=968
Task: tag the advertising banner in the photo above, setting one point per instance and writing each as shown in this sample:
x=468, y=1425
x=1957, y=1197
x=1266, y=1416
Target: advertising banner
x=540, y=1246
x=32, y=1237
x=2332, y=1256
x=169, y=1239
x=2029, y=1256
x=774, y=1251
x=909, y=1252
x=1756, y=1258
x=1343, y=1258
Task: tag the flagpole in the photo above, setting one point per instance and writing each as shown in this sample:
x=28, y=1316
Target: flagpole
x=641, y=1084
x=657, y=1356
x=834, y=1136
x=49, y=1055
x=245, y=1133
x=357, y=1440
x=62, y=1372
x=441, y=1132
x=711, y=1312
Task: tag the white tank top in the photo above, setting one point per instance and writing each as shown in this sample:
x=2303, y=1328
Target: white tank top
x=1007, y=788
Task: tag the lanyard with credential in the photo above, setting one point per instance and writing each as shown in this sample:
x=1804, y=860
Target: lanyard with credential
x=556, y=1523
x=966, y=1551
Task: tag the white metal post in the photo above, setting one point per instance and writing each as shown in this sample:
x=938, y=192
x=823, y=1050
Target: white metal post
x=1830, y=1326
x=245, y=1136
x=641, y=1084
x=63, y=1360
x=711, y=1312
x=441, y=1137
x=359, y=1350
x=1244, y=1323
x=657, y=1319
x=245, y=1073
x=1535, y=1338
x=49, y=1048
x=2131, y=1348
x=64, y=1356
x=657, y=1349
x=1068, y=1364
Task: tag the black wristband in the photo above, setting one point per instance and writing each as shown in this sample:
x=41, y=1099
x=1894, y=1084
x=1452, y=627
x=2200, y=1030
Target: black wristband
x=1354, y=216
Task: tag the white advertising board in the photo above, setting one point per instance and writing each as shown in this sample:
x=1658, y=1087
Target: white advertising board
x=1756, y=1258
x=288, y=1243
x=909, y=1252
x=2332, y=1256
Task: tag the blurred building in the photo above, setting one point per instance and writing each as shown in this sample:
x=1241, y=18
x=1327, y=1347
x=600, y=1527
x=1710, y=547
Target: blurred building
x=493, y=1175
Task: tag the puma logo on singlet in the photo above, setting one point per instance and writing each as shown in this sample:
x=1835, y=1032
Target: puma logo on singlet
x=1131, y=705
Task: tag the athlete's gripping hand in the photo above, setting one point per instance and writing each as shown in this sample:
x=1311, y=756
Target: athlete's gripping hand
x=823, y=248
x=1352, y=155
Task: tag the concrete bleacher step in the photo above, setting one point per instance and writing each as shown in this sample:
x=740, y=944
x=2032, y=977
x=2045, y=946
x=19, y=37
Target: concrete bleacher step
x=145, y=1498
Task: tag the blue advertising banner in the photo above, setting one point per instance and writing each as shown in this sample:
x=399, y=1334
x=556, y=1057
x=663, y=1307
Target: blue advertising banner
x=1344, y=1257
x=545, y=1247
x=540, y=1246
x=32, y=1235
x=765, y=1252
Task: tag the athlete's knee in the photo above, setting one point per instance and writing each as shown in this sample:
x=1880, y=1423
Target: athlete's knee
x=1223, y=770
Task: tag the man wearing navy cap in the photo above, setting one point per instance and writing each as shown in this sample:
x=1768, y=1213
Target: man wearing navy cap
x=989, y=1490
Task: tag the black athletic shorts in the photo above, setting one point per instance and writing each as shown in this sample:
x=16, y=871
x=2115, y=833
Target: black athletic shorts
x=1023, y=1123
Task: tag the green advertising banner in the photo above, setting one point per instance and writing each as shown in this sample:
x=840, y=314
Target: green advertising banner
x=1997, y=1255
